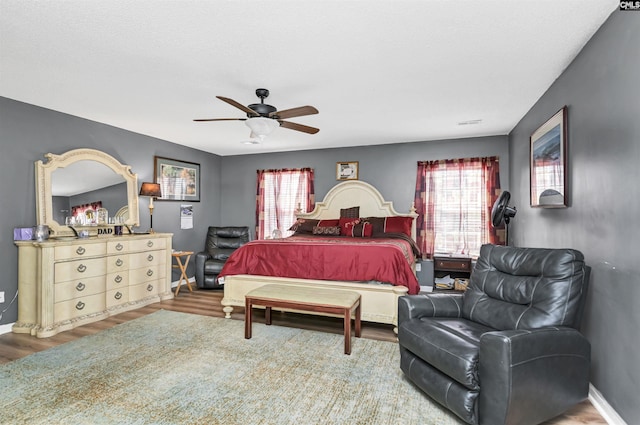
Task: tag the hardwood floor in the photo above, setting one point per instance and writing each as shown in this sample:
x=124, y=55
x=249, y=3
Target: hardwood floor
x=207, y=303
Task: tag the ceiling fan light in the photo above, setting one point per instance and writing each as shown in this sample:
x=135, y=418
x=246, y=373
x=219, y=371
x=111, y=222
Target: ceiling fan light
x=261, y=126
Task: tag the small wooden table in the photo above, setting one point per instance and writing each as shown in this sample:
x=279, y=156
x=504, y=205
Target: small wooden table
x=321, y=300
x=183, y=268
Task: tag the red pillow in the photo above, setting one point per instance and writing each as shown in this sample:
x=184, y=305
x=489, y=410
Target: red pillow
x=398, y=225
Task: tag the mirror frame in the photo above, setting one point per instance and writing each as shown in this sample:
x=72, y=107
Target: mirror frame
x=44, y=195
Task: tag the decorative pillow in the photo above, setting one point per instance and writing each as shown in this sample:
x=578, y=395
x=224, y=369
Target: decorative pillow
x=398, y=225
x=377, y=224
x=353, y=212
x=306, y=225
x=326, y=230
x=382, y=225
x=362, y=230
x=346, y=224
x=356, y=228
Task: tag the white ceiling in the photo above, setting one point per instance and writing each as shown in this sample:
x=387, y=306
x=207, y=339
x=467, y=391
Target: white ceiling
x=379, y=72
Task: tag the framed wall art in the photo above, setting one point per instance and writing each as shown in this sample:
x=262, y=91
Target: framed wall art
x=347, y=170
x=548, y=163
x=179, y=180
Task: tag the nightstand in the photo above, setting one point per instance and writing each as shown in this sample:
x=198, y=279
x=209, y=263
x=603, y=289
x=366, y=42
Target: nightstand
x=456, y=267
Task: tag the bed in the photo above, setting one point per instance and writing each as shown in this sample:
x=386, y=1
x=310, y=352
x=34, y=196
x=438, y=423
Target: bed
x=257, y=263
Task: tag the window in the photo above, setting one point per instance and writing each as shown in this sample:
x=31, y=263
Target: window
x=280, y=194
x=454, y=200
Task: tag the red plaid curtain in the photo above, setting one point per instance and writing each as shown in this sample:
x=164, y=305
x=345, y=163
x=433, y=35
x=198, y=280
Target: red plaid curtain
x=480, y=178
x=280, y=193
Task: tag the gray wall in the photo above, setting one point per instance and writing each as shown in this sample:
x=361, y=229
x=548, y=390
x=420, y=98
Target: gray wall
x=28, y=132
x=390, y=168
x=602, y=92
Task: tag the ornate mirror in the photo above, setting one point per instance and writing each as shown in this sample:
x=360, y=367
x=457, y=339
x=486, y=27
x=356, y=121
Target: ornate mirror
x=87, y=179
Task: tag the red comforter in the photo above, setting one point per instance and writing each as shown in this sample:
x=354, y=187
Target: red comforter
x=327, y=258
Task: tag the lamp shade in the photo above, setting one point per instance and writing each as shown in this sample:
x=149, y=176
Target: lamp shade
x=261, y=126
x=150, y=189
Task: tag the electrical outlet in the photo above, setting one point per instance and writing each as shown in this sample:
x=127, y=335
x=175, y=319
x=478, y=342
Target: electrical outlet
x=1, y=297
x=418, y=267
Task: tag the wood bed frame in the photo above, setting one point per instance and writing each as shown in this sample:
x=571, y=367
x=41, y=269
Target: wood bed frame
x=379, y=301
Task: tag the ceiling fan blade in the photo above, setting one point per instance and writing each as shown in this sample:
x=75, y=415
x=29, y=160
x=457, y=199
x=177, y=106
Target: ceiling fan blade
x=298, y=127
x=295, y=112
x=220, y=119
x=239, y=106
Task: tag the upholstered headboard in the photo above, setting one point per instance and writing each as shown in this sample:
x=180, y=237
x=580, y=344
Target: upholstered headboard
x=356, y=193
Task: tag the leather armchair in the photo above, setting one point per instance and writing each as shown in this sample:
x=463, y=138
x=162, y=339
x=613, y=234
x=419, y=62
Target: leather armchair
x=508, y=350
x=219, y=245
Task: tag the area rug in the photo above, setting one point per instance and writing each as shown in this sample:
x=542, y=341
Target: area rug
x=178, y=368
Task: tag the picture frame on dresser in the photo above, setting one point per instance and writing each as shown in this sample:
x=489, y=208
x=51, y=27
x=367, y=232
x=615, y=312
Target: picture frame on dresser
x=548, y=163
x=179, y=180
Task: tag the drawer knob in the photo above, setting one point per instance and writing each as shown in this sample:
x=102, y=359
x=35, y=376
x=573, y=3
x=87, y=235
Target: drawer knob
x=119, y=262
x=80, y=250
x=118, y=279
x=149, y=272
x=150, y=244
x=150, y=257
x=118, y=295
x=80, y=305
x=80, y=286
x=150, y=287
x=119, y=247
x=82, y=268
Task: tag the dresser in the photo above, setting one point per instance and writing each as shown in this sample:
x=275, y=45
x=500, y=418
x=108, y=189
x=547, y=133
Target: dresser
x=67, y=283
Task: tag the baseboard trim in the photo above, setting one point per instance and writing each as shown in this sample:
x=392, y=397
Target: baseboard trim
x=605, y=409
x=5, y=329
x=175, y=282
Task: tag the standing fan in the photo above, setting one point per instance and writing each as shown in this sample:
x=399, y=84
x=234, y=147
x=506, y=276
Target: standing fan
x=501, y=211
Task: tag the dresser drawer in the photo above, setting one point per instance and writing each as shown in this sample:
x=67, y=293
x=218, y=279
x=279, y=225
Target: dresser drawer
x=145, y=259
x=117, y=279
x=117, y=297
x=117, y=263
x=147, y=244
x=117, y=247
x=146, y=274
x=143, y=290
x=75, y=251
x=453, y=264
x=80, y=269
x=71, y=309
x=72, y=289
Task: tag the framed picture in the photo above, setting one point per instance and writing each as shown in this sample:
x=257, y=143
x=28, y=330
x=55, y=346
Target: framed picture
x=179, y=180
x=347, y=170
x=548, y=163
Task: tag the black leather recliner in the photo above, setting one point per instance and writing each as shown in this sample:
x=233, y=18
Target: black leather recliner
x=219, y=245
x=508, y=350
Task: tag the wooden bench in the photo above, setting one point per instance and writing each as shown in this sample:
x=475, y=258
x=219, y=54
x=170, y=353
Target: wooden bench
x=333, y=301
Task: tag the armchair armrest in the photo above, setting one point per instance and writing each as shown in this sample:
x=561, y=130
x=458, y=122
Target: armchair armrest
x=429, y=305
x=203, y=255
x=200, y=259
x=532, y=375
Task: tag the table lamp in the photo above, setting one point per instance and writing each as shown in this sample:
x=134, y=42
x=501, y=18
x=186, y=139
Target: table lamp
x=152, y=190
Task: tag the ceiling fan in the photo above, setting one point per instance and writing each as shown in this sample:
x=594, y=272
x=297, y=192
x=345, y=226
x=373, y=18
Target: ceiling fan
x=263, y=118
